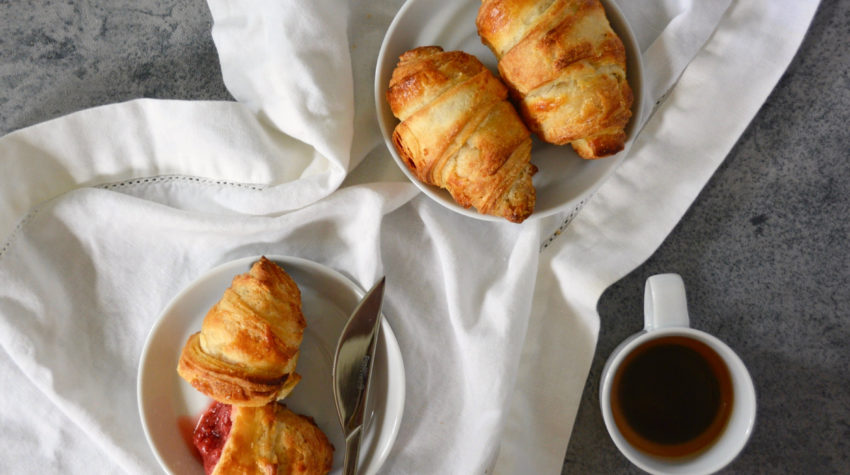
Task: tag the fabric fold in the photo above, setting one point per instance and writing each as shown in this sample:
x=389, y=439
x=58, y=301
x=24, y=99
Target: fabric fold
x=144, y=138
x=289, y=63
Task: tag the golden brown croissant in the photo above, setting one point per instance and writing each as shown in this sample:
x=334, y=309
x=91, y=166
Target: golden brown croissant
x=247, y=348
x=458, y=132
x=269, y=439
x=566, y=68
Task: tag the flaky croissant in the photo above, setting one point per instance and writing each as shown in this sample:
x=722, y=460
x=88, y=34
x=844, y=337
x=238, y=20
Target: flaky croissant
x=270, y=439
x=248, y=346
x=458, y=132
x=565, y=67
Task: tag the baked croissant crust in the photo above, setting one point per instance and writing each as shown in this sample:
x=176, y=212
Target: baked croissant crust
x=565, y=67
x=247, y=349
x=459, y=132
x=270, y=439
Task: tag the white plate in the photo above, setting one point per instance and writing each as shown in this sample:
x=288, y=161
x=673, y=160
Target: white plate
x=328, y=298
x=564, y=179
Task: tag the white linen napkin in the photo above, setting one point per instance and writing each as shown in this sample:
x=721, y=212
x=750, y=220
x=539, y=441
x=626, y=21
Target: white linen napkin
x=107, y=213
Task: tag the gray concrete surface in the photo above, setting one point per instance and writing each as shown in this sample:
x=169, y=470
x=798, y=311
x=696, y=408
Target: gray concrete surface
x=764, y=250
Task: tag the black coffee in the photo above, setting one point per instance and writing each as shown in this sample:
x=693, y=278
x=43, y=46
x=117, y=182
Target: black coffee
x=672, y=397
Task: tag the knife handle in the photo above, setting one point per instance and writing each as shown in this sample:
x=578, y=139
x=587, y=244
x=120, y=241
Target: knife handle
x=352, y=452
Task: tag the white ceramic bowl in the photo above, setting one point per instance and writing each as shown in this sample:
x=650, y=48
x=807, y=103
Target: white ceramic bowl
x=328, y=298
x=564, y=180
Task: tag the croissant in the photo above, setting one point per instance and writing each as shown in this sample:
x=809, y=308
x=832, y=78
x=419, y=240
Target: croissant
x=458, y=132
x=565, y=67
x=249, y=341
x=269, y=439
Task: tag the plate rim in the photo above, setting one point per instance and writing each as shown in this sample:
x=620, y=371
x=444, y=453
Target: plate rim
x=387, y=336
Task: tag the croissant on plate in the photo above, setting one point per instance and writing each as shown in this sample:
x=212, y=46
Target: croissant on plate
x=267, y=439
x=459, y=132
x=565, y=67
x=248, y=346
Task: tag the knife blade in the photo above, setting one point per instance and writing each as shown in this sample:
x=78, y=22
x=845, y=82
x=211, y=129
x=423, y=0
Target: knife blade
x=352, y=370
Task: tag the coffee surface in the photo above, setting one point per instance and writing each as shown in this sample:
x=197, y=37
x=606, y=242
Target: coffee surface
x=672, y=396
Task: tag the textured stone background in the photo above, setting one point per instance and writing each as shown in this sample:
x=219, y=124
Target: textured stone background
x=764, y=250
x=58, y=57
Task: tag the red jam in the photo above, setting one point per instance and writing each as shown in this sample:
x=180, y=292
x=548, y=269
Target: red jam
x=211, y=434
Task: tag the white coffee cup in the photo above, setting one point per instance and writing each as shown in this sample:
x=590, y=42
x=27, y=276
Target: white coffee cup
x=627, y=374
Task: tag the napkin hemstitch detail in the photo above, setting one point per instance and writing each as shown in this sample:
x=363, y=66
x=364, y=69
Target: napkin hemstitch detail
x=189, y=178
x=22, y=222
x=10, y=239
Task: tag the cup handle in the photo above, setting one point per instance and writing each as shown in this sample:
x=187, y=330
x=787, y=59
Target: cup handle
x=664, y=302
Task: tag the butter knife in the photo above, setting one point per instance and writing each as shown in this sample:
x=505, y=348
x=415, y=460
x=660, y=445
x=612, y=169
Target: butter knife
x=352, y=370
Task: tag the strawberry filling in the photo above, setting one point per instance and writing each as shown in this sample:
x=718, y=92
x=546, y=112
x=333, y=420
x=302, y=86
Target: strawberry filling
x=211, y=434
